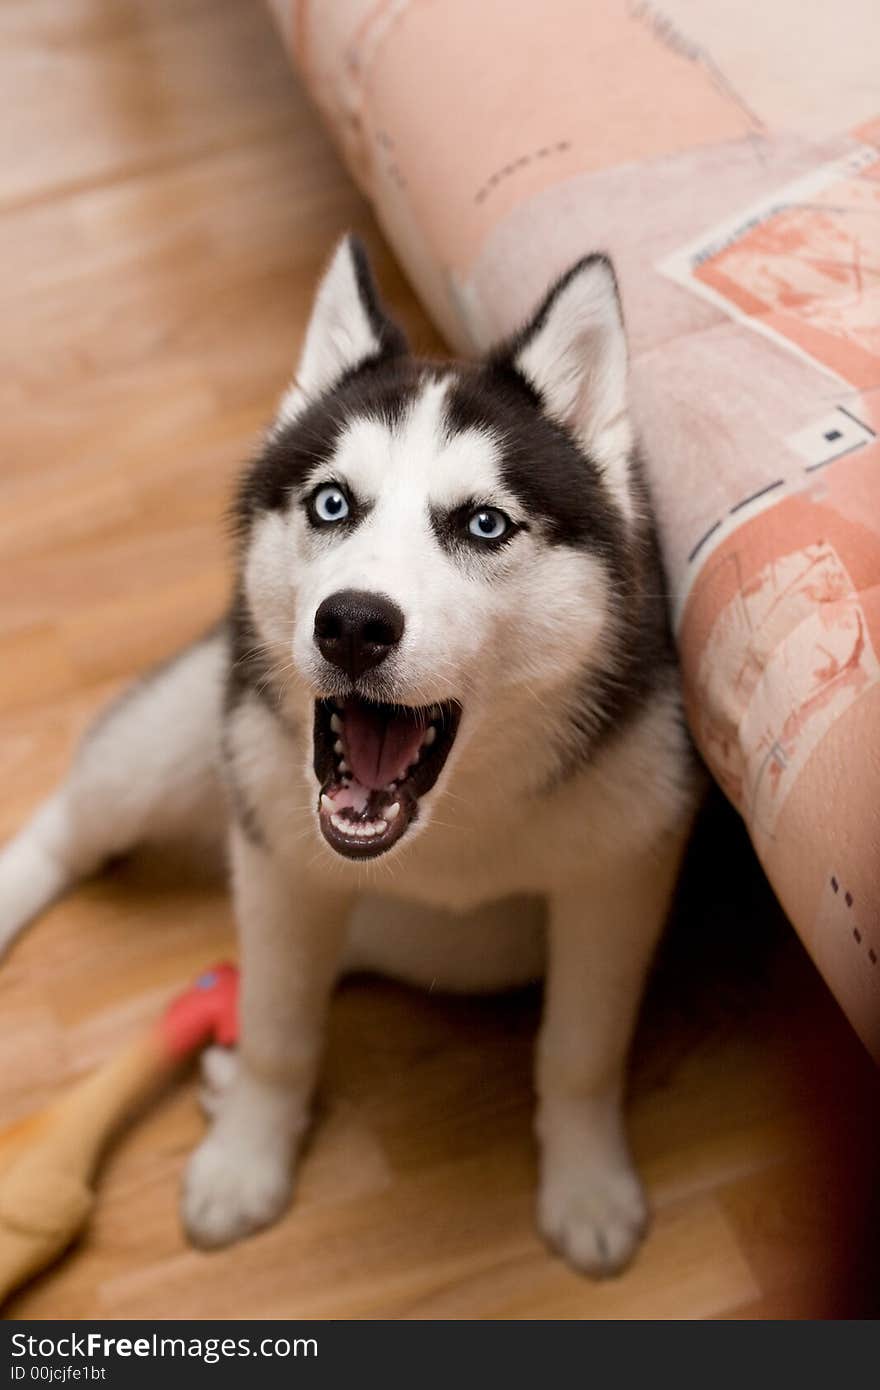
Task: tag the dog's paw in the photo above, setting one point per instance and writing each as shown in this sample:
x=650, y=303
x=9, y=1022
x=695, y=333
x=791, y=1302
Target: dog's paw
x=218, y=1071
x=233, y=1188
x=593, y=1215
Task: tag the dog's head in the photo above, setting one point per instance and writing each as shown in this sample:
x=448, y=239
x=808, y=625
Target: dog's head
x=422, y=539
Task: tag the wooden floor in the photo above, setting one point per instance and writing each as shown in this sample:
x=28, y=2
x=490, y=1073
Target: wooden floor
x=167, y=199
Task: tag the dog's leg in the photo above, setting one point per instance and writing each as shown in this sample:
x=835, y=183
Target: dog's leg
x=148, y=770
x=291, y=938
x=602, y=934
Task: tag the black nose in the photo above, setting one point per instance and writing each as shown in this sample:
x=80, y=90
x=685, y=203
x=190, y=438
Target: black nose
x=356, y=630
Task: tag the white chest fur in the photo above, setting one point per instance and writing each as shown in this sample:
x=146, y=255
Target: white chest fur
x=496, y=828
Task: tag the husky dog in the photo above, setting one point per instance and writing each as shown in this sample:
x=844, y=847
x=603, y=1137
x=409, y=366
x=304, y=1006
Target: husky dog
x=446, y=677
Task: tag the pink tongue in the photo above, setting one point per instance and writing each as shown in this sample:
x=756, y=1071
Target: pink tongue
x=379, y=750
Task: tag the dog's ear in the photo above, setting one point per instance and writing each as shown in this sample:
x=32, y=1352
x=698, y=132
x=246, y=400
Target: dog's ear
x=573, y=354
x=348, y=326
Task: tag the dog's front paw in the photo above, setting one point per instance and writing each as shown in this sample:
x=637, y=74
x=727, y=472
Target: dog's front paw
x=593, y=1214
x=233, y=1188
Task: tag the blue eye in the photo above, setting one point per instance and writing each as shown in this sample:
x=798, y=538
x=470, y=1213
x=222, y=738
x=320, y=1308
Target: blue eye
x=488, y=524
x=329, y=504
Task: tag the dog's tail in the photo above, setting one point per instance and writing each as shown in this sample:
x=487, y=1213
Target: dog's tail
x=34, y=869
x=147, y=772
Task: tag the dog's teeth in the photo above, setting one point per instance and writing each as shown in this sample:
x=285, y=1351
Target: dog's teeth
x=430, y=735
x=381, y=827
x=339, y=823
x=338, y=746
x=336, y=724
x=344, y=767
x=327, y=802
x=391, y=813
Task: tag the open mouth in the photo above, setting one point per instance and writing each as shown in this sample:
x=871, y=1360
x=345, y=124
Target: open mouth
x=373, y=762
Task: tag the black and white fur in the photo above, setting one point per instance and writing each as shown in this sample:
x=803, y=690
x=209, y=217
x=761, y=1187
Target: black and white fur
x=546, y=820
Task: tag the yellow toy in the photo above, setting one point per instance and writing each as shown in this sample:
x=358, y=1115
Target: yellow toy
x=49, y=1161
